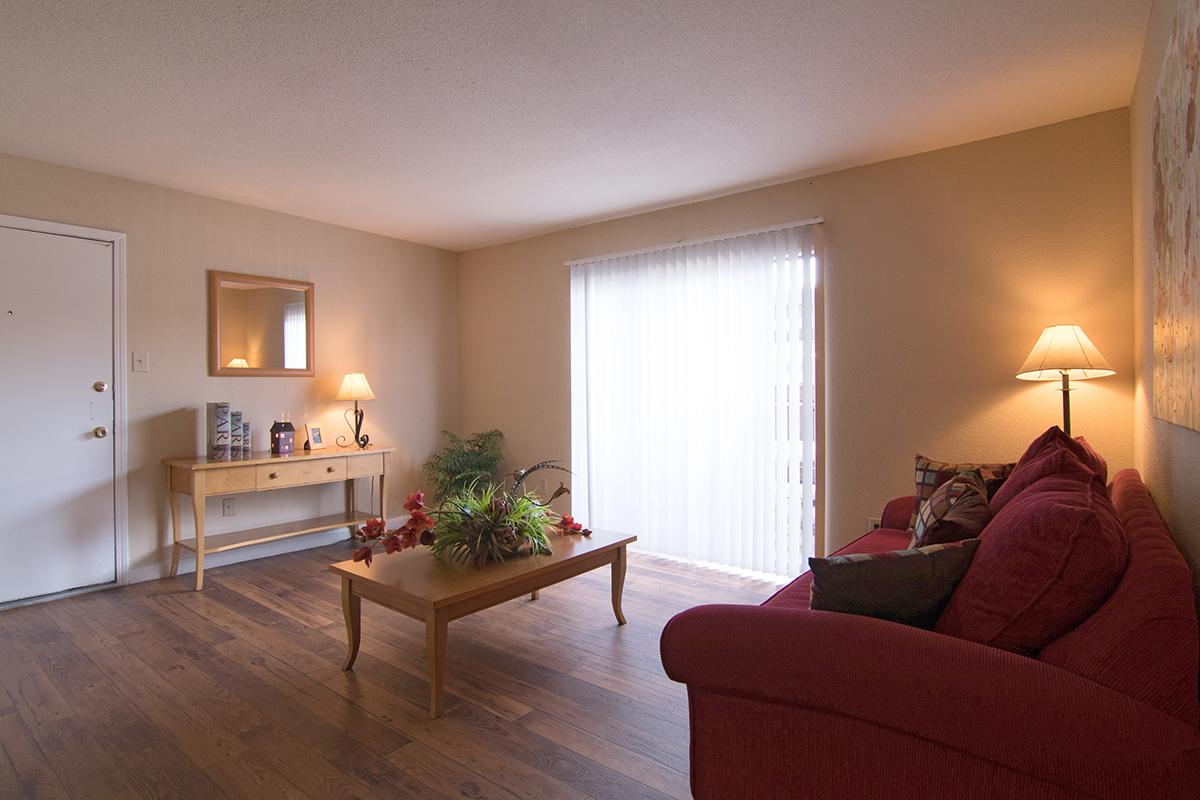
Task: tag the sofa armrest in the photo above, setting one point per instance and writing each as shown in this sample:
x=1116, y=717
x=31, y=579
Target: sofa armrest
x=898, y=513
x=995, y=706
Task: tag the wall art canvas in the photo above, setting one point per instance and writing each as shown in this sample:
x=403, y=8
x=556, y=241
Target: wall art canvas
x=1176, y=189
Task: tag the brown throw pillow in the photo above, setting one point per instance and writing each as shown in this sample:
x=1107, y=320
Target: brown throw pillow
x=957, y=510
x=932, y=474
x=906, y=586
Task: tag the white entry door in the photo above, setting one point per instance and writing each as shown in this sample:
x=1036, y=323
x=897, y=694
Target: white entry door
x=57, y=476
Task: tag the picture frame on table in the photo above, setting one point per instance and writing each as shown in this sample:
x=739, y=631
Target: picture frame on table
x=316, y=437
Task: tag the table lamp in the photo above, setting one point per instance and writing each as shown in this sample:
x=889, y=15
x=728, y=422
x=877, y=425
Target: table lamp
x=1064, y=352
x=355, y=387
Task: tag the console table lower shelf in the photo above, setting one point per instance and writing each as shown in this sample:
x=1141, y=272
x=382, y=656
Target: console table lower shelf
x=202, y=478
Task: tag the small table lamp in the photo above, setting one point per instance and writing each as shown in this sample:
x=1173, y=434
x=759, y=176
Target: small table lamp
x=355, y=387
x=1063, y=352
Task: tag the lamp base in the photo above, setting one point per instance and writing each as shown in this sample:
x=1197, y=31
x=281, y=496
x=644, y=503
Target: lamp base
x=360, y=438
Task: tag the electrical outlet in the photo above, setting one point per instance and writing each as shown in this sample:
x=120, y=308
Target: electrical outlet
x=141, y=361
x=227, y=509
x=873, y=523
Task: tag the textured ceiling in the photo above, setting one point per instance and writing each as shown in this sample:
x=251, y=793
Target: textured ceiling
x=460, y=124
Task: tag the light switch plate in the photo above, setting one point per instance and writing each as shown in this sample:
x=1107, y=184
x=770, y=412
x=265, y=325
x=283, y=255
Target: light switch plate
x=141, y=361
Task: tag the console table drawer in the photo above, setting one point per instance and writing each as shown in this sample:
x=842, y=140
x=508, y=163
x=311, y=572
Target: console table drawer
x=364, y=466
x=273, y=476
x=228, y=481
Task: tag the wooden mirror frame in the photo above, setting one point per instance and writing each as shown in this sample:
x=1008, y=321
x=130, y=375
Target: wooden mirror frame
x=216, y=279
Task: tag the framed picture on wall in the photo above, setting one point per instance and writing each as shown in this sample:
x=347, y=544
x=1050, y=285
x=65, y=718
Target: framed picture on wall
x=316, y=439
x=1176, y=192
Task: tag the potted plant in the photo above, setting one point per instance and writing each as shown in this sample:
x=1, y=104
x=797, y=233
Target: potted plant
x=465, y=463
x=475, y=525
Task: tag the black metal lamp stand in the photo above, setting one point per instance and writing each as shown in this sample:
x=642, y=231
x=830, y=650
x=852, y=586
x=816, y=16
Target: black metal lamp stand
x=1066, y=390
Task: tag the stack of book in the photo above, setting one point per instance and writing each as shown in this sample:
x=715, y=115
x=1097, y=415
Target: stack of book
x=229, y=437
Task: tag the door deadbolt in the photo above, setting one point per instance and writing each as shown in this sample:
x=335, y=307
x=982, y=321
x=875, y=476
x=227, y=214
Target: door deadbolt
x=100, y=386
x=100, y=431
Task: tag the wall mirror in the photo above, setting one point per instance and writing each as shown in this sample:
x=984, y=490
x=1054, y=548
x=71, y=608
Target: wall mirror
x=259, y=325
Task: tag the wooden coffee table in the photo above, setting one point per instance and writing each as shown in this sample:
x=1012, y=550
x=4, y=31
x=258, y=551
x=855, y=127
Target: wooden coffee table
x=420, y=586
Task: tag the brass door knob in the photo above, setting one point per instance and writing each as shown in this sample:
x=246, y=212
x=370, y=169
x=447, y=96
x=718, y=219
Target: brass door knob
x=273, y=475
x=100, y=431
x=100, y=386
x=329, y=469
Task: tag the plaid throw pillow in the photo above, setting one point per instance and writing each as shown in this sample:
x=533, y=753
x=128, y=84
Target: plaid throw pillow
x=906, y=586
x=958, y=509
x=932, y=474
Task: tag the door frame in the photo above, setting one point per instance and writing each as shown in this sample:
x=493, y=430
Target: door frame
x=120, y=443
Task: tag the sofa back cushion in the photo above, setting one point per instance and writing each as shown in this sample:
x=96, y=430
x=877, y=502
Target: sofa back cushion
x=931, y=474
x=1045, y=563
x=957, y=510
x=1143, y=641
x=1052, y=453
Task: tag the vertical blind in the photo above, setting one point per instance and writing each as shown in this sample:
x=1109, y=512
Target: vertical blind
x=295, y=337
x=693, y=396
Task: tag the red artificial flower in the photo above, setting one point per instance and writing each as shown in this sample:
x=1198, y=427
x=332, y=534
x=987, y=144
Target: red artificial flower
x=363, y=554
x=567, y=520
x=391, y=544
x=372, y=529
x=427, y=537
x=408, y=538
x=416, y=501
x=419, y=521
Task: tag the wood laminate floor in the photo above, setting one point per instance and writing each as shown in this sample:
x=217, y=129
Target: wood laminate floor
x=155, y=691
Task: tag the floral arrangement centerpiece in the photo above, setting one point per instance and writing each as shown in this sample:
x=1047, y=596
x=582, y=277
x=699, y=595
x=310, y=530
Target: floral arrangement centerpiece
x=475, y=525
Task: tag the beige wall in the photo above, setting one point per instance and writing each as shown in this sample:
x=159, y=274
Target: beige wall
x=941, y=270
x=383, y=306
x=1167, y=455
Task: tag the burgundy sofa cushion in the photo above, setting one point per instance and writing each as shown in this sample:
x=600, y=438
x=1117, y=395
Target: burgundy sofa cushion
x=1143, y=642
x=1093, y=459
x=1046, y=562
x=1052, y=453
x=906, y=586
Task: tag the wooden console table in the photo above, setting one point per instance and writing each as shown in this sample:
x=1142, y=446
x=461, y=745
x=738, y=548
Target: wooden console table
x=262, y=472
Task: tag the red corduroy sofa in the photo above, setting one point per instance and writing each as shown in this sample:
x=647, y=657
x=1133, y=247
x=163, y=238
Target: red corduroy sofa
x=787, y=702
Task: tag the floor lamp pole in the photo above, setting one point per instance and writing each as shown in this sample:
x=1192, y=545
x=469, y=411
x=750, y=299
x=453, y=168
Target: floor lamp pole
x=1066, y=390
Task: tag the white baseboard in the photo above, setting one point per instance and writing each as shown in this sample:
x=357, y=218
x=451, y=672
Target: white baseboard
x=154, y=572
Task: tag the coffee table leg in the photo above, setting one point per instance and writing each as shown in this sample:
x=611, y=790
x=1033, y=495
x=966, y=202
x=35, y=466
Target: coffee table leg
x=351, y=610
x=618, y=583
x=534, y=594
x=435, y=639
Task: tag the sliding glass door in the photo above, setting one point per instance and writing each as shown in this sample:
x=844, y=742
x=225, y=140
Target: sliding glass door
x=694, y=389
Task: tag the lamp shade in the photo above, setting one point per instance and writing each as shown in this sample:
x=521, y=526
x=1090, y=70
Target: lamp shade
x=237, y=363
x=355, y=387
x=1064, y=349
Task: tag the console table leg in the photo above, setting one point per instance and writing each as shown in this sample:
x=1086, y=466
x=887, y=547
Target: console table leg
x=436, y=625
x=383, y=490
x=198, y=496
x=352, y=611
x=534, y=594
x=176, y=516
x=618, y=583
